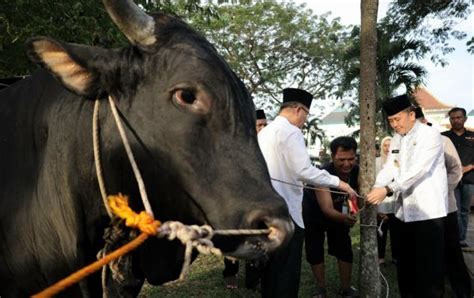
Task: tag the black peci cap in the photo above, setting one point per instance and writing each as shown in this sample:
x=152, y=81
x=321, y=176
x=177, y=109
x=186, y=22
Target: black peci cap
x=297, y=95
x=261, y=114
x=396, y=104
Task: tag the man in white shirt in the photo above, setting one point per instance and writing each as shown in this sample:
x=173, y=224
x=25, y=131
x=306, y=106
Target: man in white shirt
x=415, y=173
x=284, y=150
x=456, y=269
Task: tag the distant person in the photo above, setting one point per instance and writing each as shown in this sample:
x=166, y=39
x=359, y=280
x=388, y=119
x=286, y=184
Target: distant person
x=456, y=269
x=386, y=211
x=261, y=120
x=463, y=140
x=284, y=150
x=415, y=173
x=325, y=216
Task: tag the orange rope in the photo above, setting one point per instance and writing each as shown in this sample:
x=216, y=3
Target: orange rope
x=142, y=221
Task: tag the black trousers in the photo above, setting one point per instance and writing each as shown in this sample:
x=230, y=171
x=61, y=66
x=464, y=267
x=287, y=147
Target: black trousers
x=389, y=226
x=230, y=267
x=253, y=271
x=281, y=276
x=420, y=269
x=454, y=260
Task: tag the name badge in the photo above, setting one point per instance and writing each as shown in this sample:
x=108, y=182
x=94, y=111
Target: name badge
x=395, y=151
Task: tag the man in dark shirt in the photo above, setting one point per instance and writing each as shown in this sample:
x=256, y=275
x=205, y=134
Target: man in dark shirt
x=463, y=140
x=327, y=213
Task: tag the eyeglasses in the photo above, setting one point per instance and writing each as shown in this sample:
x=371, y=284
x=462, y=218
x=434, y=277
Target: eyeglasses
x=304, y=109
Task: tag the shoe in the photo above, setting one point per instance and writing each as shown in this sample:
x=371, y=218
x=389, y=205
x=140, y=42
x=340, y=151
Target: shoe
x=231, y=282
x=319, y=293
x=349, y=293
x=381, y=261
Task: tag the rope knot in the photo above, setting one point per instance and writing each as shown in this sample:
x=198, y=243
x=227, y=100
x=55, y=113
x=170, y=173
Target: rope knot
x=142, y=221
x=176, y=230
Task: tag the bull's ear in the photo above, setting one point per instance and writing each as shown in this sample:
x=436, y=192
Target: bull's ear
x=72, y=64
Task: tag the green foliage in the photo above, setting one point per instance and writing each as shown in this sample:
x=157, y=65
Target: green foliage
x=411, y=31
x=431, y=22
x=81, y=22
x=84, y=22
x=273, y=45
x=395, y=68
x=470, y=45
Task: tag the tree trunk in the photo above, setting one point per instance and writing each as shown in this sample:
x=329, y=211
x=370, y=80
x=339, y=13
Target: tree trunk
x=369, y=281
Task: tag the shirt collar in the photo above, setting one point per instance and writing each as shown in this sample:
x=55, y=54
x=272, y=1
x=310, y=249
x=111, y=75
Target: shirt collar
x=413, y=129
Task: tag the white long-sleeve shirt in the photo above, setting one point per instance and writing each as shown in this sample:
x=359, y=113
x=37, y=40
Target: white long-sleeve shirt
x=454, y=169
x=389, y=204
x=416, y=172
x=284, y=150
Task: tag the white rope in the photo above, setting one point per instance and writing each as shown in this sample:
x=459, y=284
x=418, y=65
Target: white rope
x=136, y=171
x=386, y=283
x=98, y=166
x=198, y=237
x=193, y=236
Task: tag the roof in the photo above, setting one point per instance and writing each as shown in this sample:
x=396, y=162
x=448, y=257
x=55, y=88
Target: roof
x=337, y=116
x=427, y=101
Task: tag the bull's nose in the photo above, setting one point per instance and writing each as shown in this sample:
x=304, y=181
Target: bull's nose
x=281, y=230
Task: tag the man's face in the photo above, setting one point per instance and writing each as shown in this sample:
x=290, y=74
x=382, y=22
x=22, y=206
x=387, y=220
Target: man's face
x=301, y=115
x=344, y=160
x=402, y=122
x=261, y=123
x=457, y=120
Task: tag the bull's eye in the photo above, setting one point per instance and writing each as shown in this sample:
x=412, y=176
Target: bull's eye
x=185, y=96
x=195, y=100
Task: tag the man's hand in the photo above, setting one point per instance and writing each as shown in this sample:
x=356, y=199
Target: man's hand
x=376, y=195
x=382, y=216
x=347, y=188
x=349, y=220
x=467, y=168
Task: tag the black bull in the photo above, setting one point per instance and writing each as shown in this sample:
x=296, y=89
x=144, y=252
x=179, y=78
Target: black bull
x=191, y=126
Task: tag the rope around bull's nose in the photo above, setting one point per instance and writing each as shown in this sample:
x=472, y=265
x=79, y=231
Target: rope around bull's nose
x=194, y=236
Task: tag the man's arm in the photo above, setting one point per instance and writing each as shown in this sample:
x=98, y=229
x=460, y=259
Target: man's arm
x=467, y=168
x=428, y=150
x=327, y=207
x=297, y=156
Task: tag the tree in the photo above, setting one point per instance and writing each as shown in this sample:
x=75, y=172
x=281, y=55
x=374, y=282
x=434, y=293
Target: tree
x=395, y=68
x=273, y=45
x=68, y=20
x=431, y=22
x=369, y=282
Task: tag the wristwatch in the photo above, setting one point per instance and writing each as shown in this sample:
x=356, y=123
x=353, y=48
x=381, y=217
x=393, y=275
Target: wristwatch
x=389, y=191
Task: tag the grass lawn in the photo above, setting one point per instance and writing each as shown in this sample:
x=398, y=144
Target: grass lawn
x=205, y=278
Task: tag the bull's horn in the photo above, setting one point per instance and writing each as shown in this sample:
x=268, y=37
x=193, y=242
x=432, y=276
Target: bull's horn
x=132, y=21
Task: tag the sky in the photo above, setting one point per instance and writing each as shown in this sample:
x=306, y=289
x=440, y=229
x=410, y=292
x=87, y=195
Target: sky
x=452, y=85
